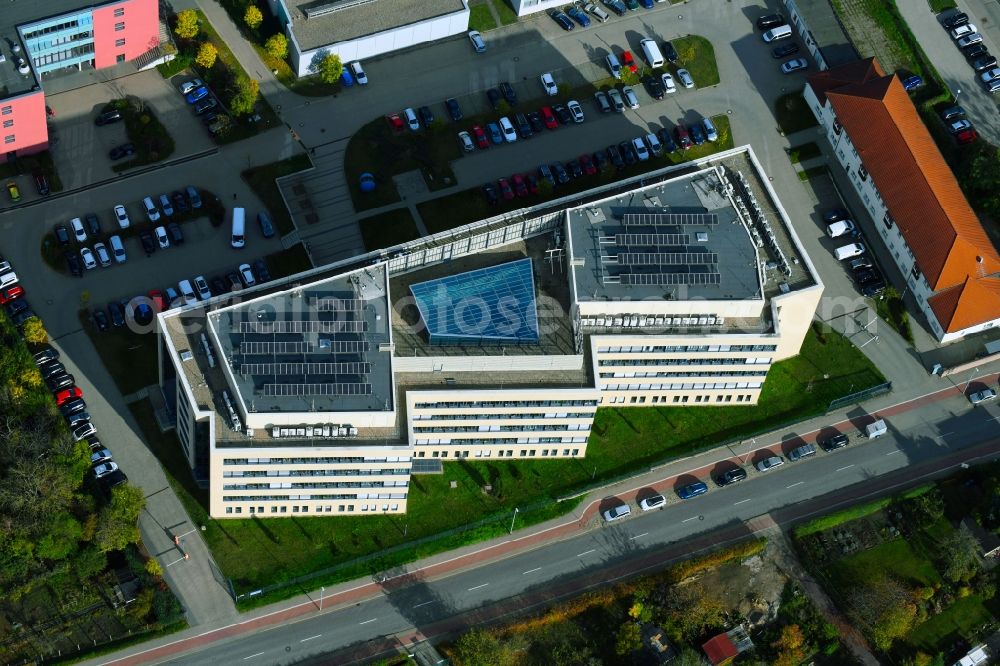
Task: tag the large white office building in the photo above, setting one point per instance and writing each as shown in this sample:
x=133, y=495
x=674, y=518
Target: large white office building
x=321, y=394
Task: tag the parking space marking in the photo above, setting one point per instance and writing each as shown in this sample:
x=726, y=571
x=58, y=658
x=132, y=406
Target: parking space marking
x=841, y=469
x=310, y=638
x=797, y=483
x=688, y=520
x=425, y=603
x=586, y=552
x=252, y=656
x=368, y=621
x=638, y=536
x=531, y=571
x=892, y=453
x=477, y=587
x=742, y=501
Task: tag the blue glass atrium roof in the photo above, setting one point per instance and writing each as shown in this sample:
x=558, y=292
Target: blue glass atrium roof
x=495, y=304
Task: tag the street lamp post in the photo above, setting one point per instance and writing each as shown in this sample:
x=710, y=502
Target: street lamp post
x=753, y=443
x=321, y=591
x=974, y=372
x=512, y=520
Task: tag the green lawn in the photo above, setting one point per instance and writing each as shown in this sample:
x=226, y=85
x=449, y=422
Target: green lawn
x=261, y=181
x=504, y=11
x=896, y=557
x=480, y=16
x=255, y=553
x=388, y=229
x=793, y=114
x=470, y=205
x=891, y=309
x=954, y=623
x=697, y=55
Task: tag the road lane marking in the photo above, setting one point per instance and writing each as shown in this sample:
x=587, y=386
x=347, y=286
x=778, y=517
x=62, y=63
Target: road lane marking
x=477, y=587
x=425, y=603
x=798, y=483
x=943, y=435
x=841, y=469
x=586, y=552
x=893, y=452
x=310, y=638
x=368, y=621
x=687, y=520
x=638, y=536
x=743, y=500
x=531, y=571
x=252, y=656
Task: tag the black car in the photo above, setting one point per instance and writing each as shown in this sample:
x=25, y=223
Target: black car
x=628, y=153
x=523, y=126
x=984, y=62
x=697, y=133
x=769, y=21
x=454, y=110
x=117, y=314
x=59, y=382
x=61, y=234
x=508, y=93
x=52, y=369
x=562, y=176
x=494, y=96
x=666, y=140
x=45, y=356
x=867, y=275
x=537, y=124
x=670, y=53
x=93, y=224
x=600, y=161
x=101, y=320
x=71, y=407
x=124, y=150
x=952, y=112
x=975, y=50
x=218, y=286
x=574, y=169
x=654, y=87
x=73, y=264
x=260, y=270
x=561, y=19
x=176, y=236
x=203, y=105
x=784, y=51
x=491, y=193
x=180, y=203
x=956, y=20
x=731, y=476
x=562, y=114
x=16, y=306
x=22, y=317
x=426, y=117
x=108, y=117
x=41, y=183
x=148, y=243
x=838, y=441
x=616, y=157
x=209, y=118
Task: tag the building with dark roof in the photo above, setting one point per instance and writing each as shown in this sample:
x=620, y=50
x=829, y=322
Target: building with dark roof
x=922, y=216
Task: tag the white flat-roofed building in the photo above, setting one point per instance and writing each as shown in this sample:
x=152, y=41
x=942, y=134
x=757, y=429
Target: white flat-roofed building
x=499, y=340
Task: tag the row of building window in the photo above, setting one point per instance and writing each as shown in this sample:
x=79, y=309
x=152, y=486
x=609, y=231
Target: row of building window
x=41, y=46
x=747, y=360
x=502, y=440
x=568, y=427
x=345, y=460
x=67, y=54
x=505, y=403
x=718, y=373
x=494, y=417
x=698, y=386
x=647, y=349
x=310, y=486
x=58, y=27
x=509, y=453
x=392, y=471
x=341, y=508
x=679, y=399
x=286, y=498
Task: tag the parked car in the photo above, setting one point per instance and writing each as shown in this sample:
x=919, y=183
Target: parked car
x=685, y=78
x=616, y=6
x=508, y=93
x=614, y=66
x=616, y=100
x=952, y=112
x=975, y=50
x=601, y=99
x=838, y=441
x=108, y=117
x=769, y=21
x=670, y=53
x=73, y=264
x=426, y=117
x=955, y=20
x=982, y=396
x=41, y=183
x=478, y=43
x=196, y=94
x=180, y=203
x=188, y=86
x=494, y=97
x=519, y=184
x=561, y=19
x=629, y=61
x=83, y=431
x=166, y=205
x=535, y=118
x=575, y=110
x=562, y=176
x=246, y=275
x=630, y=97
x=545, y=172
x=574, y=169
x=549, y=118
x=122, y=217
x=683, y=138
x=578, y=15
x=615, y=156
x=969, y=40
x=507, y=128
x=963, y=30
x=956, y=126
x=667, y=80
x=359, y=73
x=794, y=65
x=730, y=477
x=586, y=163
x=697, y=133
x=89, y=262
x=654, y=87
x=67, y=394
x=692, y=490
x=117, y=314
x=800, y=452
x=465, y=140
x=770, y=463
x=652, y=502
x=549, y=84
x=206, y=104
x=966, y=137
x=103, y=256
x=482, y=141
x=491, y=193
x=13, y=292
x=176, y=236
x=784, y=51
x=105, y=469
x=990, y=75
x=62, y=235
x=641, y=151
x=193, y=196
x=597, y=12
x=710, y=132
x=148, y=243
x=912, y=82
x=79, y=233
x=983, y=63
x=411, y=119
x=454, y=110
x=13, y=192
x=666, y=139
x=617, y=512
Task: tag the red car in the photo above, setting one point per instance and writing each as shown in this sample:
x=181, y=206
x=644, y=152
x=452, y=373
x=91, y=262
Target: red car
x=629, y=61
x=549, y=118
x=159, y=300
x=505, y=190
x=395, y=122
x=966, y=136
x=587, y=162
x=520, y=186
x=68, y=394
x=683, y=139
x=479, y=134
x=8, y=294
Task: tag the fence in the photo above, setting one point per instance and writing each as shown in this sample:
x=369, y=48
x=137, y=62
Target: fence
x=859, y=396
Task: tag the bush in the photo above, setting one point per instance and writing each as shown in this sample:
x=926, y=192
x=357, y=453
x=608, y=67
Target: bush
x=330, y=68
x=207, y=53
x=187, y=24
x=245, y=93
x=252, y=17
x=277, y=46
x=34, y=332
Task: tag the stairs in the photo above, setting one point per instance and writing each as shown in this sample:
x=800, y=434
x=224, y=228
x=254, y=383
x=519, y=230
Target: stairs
x=158, y=53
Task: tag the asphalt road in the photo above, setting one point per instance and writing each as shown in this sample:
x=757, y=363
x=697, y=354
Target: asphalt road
x=915, y=448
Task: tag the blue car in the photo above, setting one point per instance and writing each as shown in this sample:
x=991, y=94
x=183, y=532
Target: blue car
x=561, y=19
x=648, y=4
x=697, y=133
x=692, y=490
x=196, y=94
x=580, y=17
x=496, y=136
x=912, y=82
x=346, y=79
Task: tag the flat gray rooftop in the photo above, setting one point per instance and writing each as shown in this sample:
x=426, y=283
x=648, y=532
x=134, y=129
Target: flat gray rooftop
x=827, y=31
x=20, y=12
x=678, y=240
x=312, y=348
x=330, y=25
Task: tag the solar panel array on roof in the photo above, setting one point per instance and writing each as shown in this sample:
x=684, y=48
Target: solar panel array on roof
x=662, y=254
x=495, y=304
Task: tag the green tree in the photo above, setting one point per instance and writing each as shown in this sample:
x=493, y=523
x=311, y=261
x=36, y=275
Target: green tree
x=119, y=524
x=244, y=95
x=207, y=54
x=883, y=608
x=252, y=17
x=480, y=648
x=628, y=639
x=153, y=567
x=89, y=562
x=630, y=78
x=60, y=538
x=277, y=46
x=34, y=332
x=961, y=560
x=330, y=68
x=790, y=646
x=187, y=24
x=979, y=175
x=561, y=643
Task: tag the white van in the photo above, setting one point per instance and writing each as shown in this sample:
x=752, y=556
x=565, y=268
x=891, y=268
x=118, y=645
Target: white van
x=840, y=228
x=848, y=251
x=774, y=34
x=876, y=430
x=239, y=231
x=652, y=51
x=187, y=292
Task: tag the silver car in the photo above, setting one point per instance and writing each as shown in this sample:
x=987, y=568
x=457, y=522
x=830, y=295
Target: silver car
x=982, y=396
x=630, y=98
x=770, y=463
x=685, y=78
x=616, y=100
